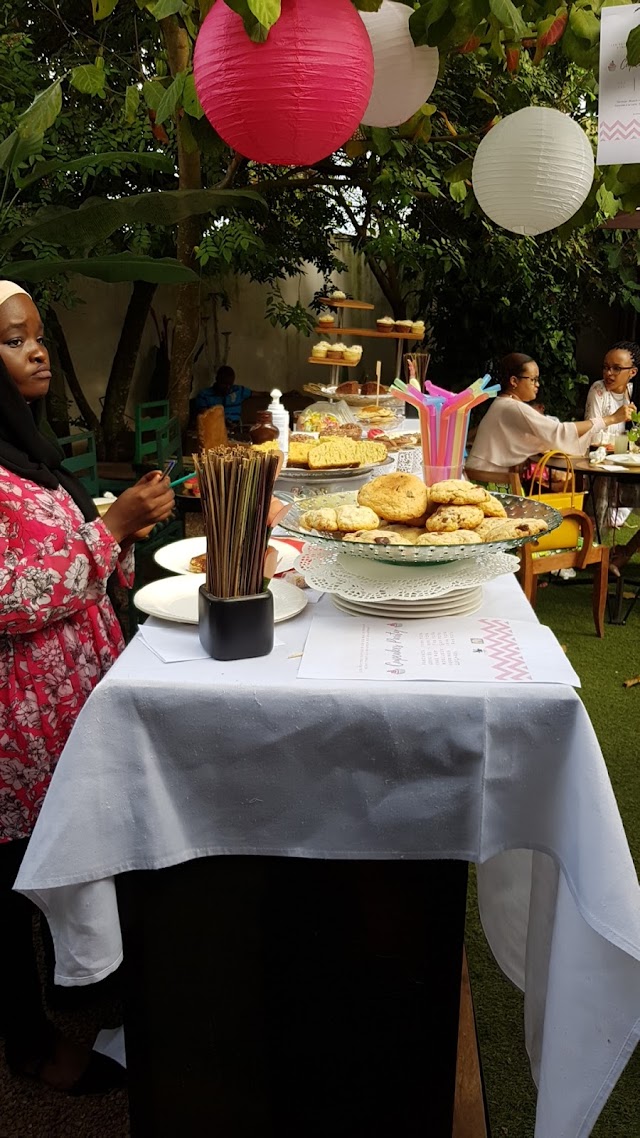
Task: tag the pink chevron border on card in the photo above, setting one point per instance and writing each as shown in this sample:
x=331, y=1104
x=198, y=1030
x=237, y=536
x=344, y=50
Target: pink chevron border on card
x=501, y=646
x=619, y=129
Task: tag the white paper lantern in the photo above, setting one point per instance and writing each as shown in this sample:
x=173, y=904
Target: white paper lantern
x=404, y=75
x=533, y=170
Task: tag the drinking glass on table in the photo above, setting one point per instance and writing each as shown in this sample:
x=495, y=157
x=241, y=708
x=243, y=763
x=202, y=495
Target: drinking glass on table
x=621, y=444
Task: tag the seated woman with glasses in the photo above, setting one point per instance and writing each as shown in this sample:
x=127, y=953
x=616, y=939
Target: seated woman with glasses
x=620, y=383
x=513, y=429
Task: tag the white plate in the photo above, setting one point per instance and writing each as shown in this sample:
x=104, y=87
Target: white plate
x=176, y=557
x=624, y=459
x=436, y=604
x=176, y=598
x=462, y=608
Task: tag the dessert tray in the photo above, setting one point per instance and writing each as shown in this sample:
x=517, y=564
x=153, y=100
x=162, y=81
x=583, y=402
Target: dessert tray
x=350, y=400
x=516, y=507
x=331, y=473
x=353, y=579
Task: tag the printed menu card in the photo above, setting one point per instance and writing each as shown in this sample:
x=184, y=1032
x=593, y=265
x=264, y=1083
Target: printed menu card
x=482, y=650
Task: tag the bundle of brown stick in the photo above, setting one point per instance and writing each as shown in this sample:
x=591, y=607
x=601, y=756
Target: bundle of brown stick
x=236, y=487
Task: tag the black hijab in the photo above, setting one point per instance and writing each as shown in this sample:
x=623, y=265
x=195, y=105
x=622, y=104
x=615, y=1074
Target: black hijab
x=25, y=451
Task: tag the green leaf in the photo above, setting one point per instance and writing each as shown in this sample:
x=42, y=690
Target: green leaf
x=42, y=113
x=426, y=15
x=145, y=160
x=381, y=140
x=458, y=191
x=508, y=15
x=461, y=172
x=152, y=92
x=576, y=50
x=171, y=99
x=585, y=24
x=266, y=12
x=131, y=104
x=254, y=29
x=633, y=47
x=368, y=5
x=88, y=79
x=478, y=93
x=112, y=269
x=163, y=8
x=190, y=100
x=86, y=227
x=14, y=150
x=607, y=202
x=102, y=8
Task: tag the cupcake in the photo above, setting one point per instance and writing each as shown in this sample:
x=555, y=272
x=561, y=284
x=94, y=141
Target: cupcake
x=404, y=326
x=319, y=351
x=353, y=355
x=326, y=320
x=385, y=324
x=417, y=328
x=337, y=294
x=336, y=352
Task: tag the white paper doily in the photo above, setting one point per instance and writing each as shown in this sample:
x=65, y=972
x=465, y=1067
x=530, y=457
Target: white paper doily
x=330, y=571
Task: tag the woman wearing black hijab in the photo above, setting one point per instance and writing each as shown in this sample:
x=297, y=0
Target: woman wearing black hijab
x=58, y=636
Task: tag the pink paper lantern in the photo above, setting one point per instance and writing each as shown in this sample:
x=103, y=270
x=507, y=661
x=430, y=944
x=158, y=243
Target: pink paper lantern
x=294, y=99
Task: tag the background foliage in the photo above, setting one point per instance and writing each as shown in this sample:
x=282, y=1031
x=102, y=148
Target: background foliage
x=99, y=114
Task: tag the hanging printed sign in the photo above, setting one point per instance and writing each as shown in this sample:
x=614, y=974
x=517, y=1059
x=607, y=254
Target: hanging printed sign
x=619, y=96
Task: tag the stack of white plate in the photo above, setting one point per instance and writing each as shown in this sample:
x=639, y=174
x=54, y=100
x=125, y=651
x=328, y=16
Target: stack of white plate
x=461, y=602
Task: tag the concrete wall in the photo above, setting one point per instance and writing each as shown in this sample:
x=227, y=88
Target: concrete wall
x=263, y=356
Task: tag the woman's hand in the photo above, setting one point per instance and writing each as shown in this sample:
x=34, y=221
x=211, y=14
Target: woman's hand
x=140, y=507
x=621, y=415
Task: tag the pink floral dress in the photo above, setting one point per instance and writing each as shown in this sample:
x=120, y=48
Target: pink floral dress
x=58, y=635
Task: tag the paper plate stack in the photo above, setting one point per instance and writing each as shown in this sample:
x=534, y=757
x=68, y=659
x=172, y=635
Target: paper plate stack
x=371, y=588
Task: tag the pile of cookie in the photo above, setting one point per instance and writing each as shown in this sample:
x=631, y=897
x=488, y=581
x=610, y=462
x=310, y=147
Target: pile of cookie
x=398, y=509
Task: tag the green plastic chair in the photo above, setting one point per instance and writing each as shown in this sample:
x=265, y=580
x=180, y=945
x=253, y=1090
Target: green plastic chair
x=80, y=459
x=169, y=445
x=150, y=419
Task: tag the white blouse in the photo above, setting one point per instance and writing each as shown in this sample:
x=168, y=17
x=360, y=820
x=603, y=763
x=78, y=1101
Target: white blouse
x=512, y=431
x=601, y=402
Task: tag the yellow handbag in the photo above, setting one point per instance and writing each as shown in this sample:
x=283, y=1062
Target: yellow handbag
x=567, y=534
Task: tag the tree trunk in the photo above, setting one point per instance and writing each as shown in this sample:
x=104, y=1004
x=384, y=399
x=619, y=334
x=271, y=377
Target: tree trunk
x=123, y=365
x=84, y=407
x=187, y=327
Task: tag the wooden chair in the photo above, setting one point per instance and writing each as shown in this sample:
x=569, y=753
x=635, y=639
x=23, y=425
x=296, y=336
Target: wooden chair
x=506, y=480
x=531, y=567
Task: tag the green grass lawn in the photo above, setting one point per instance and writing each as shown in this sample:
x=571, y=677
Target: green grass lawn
x=615, y=712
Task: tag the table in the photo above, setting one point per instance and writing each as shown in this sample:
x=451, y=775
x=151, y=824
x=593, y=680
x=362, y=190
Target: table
x=616, y=475
x=510, y=777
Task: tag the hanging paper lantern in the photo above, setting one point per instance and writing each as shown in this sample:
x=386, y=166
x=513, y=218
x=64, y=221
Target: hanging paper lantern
x=404, y=75
x=533, y=170
x=295, y=98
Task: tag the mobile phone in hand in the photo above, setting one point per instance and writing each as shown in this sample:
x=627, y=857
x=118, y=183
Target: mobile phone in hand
x=168, y=467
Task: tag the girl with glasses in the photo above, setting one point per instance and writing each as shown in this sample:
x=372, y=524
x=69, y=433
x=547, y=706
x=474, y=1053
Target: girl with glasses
x=513, y=430
x=619, y=383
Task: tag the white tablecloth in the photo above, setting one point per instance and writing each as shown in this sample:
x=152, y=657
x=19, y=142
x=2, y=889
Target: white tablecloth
x=169, y=762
